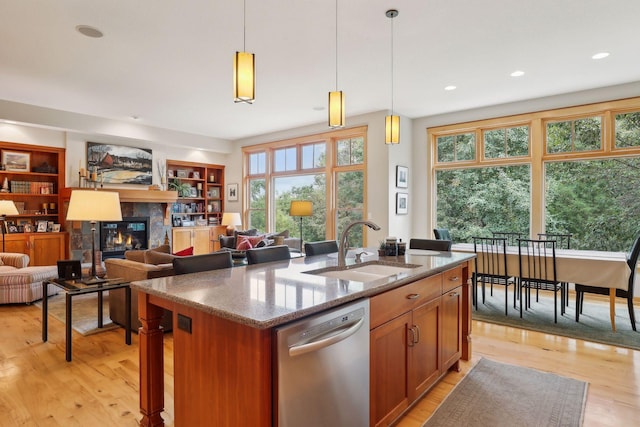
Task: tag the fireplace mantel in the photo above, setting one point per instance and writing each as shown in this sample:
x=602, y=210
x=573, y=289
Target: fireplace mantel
x=133, y=196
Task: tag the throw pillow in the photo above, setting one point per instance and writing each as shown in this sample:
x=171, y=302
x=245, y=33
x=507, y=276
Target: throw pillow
x=185, y=252
x=155, y=257
x=244, y=243
x=284, y=234
x=162, y=248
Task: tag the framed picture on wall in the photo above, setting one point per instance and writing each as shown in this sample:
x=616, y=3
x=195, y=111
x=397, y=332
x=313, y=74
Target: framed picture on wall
x=16, y=161
x=232, y=192
x=402, y=176
x=402, y=203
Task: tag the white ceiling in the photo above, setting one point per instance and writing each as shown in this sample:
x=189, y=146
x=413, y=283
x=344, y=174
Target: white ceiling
x=170, y=61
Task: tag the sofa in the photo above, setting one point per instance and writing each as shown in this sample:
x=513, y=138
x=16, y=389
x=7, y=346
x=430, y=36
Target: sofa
x=20, y=283
x=249, y=239
x=138, y=265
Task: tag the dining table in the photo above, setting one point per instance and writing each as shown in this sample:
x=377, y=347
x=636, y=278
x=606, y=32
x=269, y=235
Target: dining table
x=594, y=268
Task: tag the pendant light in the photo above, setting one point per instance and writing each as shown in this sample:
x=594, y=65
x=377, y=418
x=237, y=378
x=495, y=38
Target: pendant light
x=336, y=98
x=392, y=122
x=244, y=69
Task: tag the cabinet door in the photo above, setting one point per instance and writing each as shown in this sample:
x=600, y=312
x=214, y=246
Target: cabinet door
x=424, y=352
x=202, y=241
x=451, y=327
x=47, y=249
x=16, y=243
x=389, y=353
x=181, y=239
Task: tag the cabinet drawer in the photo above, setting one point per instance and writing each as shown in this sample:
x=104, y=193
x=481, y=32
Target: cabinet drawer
x=393, y=303
x=451, y=279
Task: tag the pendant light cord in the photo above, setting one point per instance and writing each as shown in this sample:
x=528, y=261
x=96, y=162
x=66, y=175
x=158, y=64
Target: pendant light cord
x=336, y=45
x=244, y=25
x=392, y=66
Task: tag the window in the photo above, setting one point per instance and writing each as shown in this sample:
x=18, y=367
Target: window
x=506, y=142
x=574, y=135
x=328, y=169
x=456, y=148
x=585, y=181
x=628, y=130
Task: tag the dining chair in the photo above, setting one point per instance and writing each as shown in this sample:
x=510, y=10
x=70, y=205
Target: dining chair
x=512, y=237
x=491, y=268
x=537, y=270
x=268, y=254
x=430, y=244
x=632, y=262
x=320, y=248
x=442, y=234
x=205, y=262
x=563, y=241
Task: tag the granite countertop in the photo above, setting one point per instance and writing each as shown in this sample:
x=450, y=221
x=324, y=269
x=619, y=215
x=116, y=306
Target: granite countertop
x=268, y=295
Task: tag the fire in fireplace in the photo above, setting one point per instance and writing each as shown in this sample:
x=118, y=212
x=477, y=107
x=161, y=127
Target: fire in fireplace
x=116, y=237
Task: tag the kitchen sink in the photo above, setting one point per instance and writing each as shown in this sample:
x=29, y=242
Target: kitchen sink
x=365, y=272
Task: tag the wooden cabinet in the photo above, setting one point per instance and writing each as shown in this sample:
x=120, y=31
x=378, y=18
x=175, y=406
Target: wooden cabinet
x=416, y=335
x=42, y=248
x=32, y=176
x=200, y=192
x=203, y=239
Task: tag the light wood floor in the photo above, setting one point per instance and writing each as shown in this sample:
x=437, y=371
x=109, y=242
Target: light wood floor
x=100, y=386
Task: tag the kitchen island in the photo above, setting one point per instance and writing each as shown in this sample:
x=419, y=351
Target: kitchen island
x=224, y=323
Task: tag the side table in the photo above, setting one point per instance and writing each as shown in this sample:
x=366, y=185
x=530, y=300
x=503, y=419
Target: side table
x=73, y=288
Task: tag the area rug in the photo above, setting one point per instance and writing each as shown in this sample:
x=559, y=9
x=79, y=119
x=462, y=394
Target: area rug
x=594, y=322
x=84, y=312
x=496, y=394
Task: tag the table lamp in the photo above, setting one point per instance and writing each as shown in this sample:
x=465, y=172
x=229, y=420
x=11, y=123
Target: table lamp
x=301, y=208
x=7, y=207
x=92, y=206
x=231, y=220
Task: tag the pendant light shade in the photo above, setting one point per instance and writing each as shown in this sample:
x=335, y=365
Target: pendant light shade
x=392, y=130
x=244, y=69
x=392, y=122
x=244, y=77
x=336, y=109
x=336, y=98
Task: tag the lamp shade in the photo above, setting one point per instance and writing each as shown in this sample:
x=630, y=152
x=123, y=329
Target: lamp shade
x=392, y=130
x=231, y=219
x=301, y=208
x=7, y=207
x=336, y=109
x=244, y=77
x=92, y=205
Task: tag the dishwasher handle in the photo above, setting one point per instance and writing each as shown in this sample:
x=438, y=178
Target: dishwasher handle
x=299, y=350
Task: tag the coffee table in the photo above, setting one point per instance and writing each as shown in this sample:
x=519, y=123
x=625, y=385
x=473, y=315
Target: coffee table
x=74, y=288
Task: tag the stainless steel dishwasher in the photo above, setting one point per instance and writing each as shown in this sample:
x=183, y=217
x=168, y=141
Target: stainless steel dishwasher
x=323, y=369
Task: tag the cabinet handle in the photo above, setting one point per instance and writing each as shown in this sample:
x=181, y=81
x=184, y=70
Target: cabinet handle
x=453, y=294
x=411, y=340
x=417, y=335
x=413, y=296
x=453, y=279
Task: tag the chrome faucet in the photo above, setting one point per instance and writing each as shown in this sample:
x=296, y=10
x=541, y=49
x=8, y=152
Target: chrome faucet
x=344, y=239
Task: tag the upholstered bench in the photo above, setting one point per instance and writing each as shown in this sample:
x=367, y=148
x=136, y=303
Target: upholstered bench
x=20, y=283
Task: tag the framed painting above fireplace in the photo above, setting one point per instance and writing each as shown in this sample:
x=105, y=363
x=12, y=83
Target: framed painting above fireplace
x=118, y=164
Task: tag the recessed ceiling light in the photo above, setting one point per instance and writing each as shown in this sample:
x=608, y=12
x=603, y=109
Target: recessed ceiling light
x=600, y=55
x=89, y=31
x=135, y=117
x=517, y=73
x=450, y=87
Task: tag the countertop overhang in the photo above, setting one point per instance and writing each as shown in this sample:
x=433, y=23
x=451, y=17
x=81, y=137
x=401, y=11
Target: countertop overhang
x=268, y=295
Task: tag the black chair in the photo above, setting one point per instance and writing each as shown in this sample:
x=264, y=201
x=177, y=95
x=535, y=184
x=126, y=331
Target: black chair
x=320, y=248
x=512, y=237
x=268, y=254
x=429, y=244
x=442, y=234
x=537, y=266
x=632, y=261
x=491, y=268
x=206, y=262
x=563, y=241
